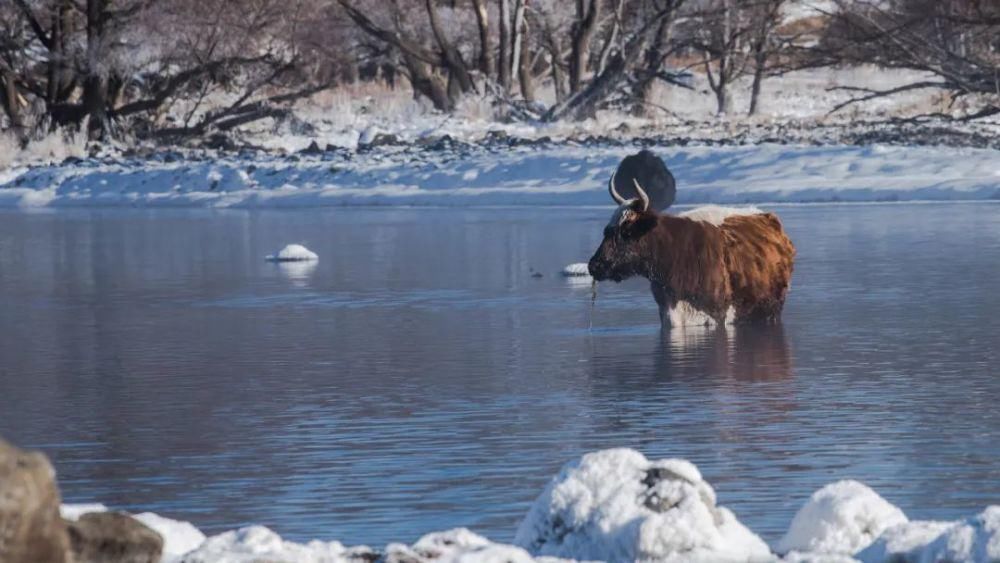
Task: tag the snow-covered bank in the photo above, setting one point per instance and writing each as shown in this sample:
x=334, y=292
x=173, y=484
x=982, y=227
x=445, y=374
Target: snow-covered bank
x=616, y=505
x=548, y=174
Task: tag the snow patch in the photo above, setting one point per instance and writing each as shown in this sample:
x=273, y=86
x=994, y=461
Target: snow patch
x=616, y=505
x=965, y=541
x=257, y=543
x=459, y=546
x=293, y=253
x=717, y=214
x=842, y=517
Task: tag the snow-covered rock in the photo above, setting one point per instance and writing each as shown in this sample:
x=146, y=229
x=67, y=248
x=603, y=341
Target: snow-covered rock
x=615, y=505
x=257, y=543
x=456, y=546
x=578, y=269
x=179, y=537
x=842, y=517
x=75, y=511
x=972, y=540
x=293, y=253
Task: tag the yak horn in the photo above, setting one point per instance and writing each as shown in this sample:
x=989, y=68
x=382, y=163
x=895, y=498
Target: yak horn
x=611, y=189
x=642, y=194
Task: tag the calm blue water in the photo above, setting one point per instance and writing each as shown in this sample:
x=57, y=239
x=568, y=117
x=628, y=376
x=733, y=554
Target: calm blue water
x=418, y=378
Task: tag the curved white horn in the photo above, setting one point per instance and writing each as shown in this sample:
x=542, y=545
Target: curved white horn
x=642, y=194
x=611, y=189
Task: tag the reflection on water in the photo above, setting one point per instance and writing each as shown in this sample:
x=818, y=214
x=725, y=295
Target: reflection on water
x=417, y=377
x=744, y=353
x=298, y=272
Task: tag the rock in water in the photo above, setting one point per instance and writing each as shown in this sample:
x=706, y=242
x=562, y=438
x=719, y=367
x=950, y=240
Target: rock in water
x=31, y=530
x=615, y=505
x=113, y=537
x=579, y=269
x=293, y=253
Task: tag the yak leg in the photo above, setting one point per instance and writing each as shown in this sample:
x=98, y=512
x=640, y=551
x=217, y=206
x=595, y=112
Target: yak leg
x=665, y=300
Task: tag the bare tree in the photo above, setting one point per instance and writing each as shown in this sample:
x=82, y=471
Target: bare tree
x=765, y=17
x=956, y=43
x=587, y=12
x=722, y=37
x=506, y=46
x=627, y=65
x=483, y=23
x=81, y=62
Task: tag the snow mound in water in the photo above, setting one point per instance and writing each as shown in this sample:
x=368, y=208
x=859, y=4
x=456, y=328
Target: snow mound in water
x=965, y=541
x=293, y=253
x=179, y=537
x=578, y=269
x=717, y=214
x=257, y=543
x=842, y=517
x=615, y=505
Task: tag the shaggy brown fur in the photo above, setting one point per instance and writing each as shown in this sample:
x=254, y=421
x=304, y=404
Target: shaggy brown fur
x=745, y=263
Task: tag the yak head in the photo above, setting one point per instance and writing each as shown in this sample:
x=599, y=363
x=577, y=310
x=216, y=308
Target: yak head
x=622, y=253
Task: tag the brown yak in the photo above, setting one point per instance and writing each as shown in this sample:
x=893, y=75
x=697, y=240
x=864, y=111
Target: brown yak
x=710, y=265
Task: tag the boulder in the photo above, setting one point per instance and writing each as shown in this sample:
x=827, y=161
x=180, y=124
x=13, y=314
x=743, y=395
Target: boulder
x=113, y=537
x=31, y=530
x=842, y=517
x=313, y=148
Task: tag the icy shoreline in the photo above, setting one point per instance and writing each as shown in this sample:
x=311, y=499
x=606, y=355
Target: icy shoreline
x=458, y=174
x=616, y=505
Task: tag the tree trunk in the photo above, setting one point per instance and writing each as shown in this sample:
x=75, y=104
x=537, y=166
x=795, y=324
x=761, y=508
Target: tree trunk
x=457, y=70
x=524, y=65
x=95, y=82
x=517, y=29
x=485, y=53
x=554, y=47
x=760, y=60
x=584, y=103
x=424, y=82
x=653, y=65
x=11, y=102
x=583, y=30
x=503, y=63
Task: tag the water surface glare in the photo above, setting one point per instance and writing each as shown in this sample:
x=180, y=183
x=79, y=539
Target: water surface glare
x=418, y=377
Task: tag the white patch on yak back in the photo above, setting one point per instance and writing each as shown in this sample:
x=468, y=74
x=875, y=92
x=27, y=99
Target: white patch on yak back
x=717, y=214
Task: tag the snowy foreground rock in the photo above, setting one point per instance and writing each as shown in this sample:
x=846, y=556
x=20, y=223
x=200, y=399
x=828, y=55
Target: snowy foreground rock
x=616, y=505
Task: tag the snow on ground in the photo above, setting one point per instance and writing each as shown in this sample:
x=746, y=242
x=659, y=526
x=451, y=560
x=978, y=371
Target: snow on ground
x=616, y=505
x=558, y=174
x=293, y=253
x=971, y=540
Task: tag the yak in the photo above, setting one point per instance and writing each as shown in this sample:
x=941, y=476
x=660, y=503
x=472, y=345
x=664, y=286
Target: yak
x=711, y=265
